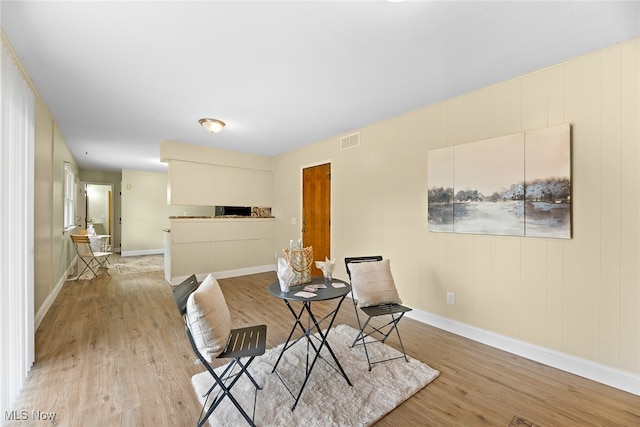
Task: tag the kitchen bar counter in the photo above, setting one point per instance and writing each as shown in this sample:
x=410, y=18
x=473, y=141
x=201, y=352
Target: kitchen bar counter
x=231, y=246
x=219, y=217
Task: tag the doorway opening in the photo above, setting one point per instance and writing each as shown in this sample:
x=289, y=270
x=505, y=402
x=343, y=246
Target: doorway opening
x=98, y=208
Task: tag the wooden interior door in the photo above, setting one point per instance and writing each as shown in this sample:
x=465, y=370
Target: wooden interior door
x=316, y=212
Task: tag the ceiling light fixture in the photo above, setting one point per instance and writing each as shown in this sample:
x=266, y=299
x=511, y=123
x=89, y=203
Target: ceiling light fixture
x=212, y=125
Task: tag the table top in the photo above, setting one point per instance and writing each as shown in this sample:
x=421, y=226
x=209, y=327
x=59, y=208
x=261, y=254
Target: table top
x=322, y=294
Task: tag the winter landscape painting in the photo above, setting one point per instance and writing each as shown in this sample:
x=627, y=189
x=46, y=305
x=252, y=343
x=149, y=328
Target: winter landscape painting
x=515, y=185
x=440, y=203
x=548, y=182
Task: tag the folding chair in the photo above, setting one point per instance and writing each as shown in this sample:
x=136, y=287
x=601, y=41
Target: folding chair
x=376, y=296
x=92, y=260
x=220, y=342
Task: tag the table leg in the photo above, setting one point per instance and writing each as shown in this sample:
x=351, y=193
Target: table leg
x=325, y=342
x=297, y=323
x=307, y=331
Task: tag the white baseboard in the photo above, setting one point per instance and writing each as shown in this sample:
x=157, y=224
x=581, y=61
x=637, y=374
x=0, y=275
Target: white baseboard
x=143, y=252
x=617, y=378
x=613, y=377
x=228, y=273
x=46, y=305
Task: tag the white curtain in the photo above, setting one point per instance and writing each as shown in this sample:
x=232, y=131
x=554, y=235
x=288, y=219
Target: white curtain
x=16, y=230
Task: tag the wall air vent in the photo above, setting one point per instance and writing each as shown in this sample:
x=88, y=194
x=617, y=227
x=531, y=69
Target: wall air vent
x=350, y=141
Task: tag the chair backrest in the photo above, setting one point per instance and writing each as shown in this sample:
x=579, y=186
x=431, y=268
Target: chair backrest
x=82, y=244
x=360, y=259
x=80, y=239
x=208, y=313
x=182, y=291
x=181, y=296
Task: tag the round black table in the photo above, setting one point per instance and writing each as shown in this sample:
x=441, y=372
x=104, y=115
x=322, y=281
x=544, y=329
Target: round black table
x=337, y=289
x=329, y=293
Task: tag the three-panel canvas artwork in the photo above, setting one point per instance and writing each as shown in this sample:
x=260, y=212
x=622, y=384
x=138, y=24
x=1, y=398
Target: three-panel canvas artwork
x=514, y=185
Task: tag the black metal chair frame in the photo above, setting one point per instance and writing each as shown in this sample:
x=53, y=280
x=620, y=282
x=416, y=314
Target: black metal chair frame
x=395, y=311
x=243, y=343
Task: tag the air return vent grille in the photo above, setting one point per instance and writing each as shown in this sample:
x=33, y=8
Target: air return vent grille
x=350, y=141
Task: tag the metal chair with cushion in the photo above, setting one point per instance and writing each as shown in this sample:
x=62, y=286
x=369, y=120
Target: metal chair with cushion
x=208, y=325
x=376, y=296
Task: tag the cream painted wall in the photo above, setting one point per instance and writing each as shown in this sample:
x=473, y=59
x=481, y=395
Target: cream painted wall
x=43, y=205
x=145, y=211
x=580, y=297
x=62, y=248
x=53, y=252
x=223, y=177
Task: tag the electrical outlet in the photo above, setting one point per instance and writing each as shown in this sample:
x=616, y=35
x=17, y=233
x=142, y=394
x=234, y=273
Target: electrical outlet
x=451, y=298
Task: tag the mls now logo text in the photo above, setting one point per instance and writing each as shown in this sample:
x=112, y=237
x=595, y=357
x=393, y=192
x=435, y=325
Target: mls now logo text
x=25, y=415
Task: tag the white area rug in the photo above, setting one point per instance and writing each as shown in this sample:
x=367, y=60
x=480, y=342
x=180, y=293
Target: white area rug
x=327, y=399
x=139, y=264
x=123, y=265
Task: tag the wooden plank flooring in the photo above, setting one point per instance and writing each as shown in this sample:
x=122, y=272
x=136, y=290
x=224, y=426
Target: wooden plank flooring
x=113, y=352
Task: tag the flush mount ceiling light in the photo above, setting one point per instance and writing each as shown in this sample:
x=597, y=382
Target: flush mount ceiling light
x=212, y=125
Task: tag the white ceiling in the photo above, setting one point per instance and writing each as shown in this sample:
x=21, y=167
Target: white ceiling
x=120, y=77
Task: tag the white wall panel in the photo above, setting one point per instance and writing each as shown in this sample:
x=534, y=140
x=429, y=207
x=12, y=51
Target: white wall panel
x=481, y=114
x=506, y=108
x=533, y=291
x=555, y=295
x=611, y=207
x=505, y=285
x=467, y=301
x=630, y=223
x=482, y=275
x=535, y=100
x=193, y=183
x=556, y=95
x=582, y=258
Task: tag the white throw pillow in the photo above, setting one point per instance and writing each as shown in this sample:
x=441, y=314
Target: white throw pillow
x=373, y=283
x=209, y=318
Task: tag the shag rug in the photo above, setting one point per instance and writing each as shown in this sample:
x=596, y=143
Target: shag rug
x=139, y=264
x=123, y=265
x=327, y=399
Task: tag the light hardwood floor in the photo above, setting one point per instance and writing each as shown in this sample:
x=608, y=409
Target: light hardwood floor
x=113, y=352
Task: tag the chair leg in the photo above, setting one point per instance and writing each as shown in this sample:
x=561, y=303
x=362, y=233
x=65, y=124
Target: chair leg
x=246, y=372
x=394, y=321
x=361, y=337
x=225, y=392
x=87, y=266
x=400, y=339
x=102, y=264
x=392, y=325
x=226, y=389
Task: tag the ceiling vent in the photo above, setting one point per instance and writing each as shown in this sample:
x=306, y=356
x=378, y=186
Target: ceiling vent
x=350, y=141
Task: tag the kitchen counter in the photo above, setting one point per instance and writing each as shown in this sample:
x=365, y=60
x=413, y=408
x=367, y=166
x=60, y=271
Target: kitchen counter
x=219, y=216
x=226, y=246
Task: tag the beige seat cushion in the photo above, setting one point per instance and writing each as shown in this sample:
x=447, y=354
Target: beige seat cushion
x=209, y=318
x=373, y=283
